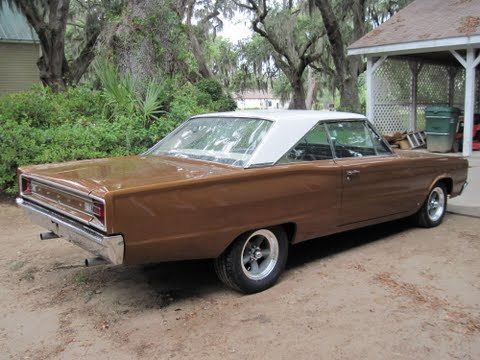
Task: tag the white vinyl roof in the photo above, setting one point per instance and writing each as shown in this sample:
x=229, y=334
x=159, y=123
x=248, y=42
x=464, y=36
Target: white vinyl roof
x=289, y=126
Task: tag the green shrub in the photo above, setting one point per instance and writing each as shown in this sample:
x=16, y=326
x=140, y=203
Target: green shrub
x=211, y=95
x=23, y=144
x=44, y=108
x=19, y=144
x=210, y=87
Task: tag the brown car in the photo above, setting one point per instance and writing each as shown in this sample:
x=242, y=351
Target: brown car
x=239, y=187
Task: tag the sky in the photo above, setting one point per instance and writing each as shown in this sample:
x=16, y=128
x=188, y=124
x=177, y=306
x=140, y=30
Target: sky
x=237, y=28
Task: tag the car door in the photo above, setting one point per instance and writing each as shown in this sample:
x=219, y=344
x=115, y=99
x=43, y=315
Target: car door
x=318, y=183
x=375, y=182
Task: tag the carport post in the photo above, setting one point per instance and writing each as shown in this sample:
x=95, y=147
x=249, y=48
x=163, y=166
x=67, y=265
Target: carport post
x=470, y=63
x=369, y=81
x=469, y=103
x=372, y=65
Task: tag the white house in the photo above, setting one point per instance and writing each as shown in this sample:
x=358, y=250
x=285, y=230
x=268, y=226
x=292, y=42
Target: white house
x=258, y=99
x=19, y=51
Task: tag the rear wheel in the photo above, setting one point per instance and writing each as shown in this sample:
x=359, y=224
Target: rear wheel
x=433, y=210
x=255, y=260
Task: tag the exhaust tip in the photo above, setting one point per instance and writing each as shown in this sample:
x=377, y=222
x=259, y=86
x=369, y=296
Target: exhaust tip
x=95, y=261
x=48, y=235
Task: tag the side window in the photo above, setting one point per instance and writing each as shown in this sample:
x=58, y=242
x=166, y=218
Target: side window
x=351, y=139
x=313, y=146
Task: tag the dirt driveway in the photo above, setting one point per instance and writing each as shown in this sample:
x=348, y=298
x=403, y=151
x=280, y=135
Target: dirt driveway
x=386, y=292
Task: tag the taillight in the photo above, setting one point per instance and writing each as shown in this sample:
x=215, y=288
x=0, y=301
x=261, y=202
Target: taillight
x=98, y=209
x=26, y=186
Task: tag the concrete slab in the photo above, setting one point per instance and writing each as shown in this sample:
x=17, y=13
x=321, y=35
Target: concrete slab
x=469, y=202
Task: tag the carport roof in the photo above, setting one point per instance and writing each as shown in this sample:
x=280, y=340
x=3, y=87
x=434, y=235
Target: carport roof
x=424, y=25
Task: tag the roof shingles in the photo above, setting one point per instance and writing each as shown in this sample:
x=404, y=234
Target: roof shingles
x=426, y=20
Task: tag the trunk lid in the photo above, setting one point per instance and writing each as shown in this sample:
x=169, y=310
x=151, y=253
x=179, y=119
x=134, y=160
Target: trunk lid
x=100, y=176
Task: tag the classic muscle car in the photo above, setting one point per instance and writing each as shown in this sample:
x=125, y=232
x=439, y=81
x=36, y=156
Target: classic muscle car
x=240, y=188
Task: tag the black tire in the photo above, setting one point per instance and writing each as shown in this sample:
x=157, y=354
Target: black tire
x=427, y=216
x=234, y=272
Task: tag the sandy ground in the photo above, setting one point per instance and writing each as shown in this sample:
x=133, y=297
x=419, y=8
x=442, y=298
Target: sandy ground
x=386, y=292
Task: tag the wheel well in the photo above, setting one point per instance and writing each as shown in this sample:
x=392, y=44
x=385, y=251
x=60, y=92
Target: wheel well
x=291, y=230
x=448, y=182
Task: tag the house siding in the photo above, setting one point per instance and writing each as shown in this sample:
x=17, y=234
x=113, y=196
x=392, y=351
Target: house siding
x=18, y=68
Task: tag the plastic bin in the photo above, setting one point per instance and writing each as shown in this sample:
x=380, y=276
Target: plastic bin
x=441, y=127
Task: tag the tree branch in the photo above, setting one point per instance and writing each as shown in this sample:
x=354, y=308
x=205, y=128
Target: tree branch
x=334, y=35
x=242, y=5
x=79, y=66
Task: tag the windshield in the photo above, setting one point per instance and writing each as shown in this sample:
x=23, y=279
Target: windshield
x=227, y=140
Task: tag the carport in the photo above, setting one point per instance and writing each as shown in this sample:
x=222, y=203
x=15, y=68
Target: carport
x=426, y=54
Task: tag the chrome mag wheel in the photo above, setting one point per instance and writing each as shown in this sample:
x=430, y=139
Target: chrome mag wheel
x=260, y=254
x=255, y=260
x=436, y=204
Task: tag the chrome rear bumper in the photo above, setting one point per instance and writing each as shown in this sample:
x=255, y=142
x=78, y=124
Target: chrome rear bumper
x=110, y=248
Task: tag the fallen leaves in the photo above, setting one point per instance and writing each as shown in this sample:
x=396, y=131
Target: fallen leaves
x=469, y=25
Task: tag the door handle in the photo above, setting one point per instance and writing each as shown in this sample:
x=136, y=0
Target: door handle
x=351, y=173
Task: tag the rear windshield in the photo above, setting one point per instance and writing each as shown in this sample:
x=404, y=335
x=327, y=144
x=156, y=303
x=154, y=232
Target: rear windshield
x=227, y=140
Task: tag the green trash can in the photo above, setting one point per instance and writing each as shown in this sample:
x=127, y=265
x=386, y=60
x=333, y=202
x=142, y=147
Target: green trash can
x=441, y=127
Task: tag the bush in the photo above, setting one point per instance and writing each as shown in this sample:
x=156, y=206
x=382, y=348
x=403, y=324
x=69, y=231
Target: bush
x=42, y=107
x=211, y=95
x=39, y=126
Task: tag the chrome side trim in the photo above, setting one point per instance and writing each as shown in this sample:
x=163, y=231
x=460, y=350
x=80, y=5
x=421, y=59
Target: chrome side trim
x=110, y=248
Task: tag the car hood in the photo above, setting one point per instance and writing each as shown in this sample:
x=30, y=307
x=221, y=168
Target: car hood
x=100, y=176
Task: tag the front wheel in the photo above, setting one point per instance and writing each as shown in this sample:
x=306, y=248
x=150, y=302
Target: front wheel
x=255, y=260
x=433, y=210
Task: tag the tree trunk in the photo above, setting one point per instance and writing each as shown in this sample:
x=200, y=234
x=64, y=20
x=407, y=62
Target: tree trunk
x=197, y=50
x=346, y=68
x=349, y=95
x=51, y=73
x=312, y=89
x=135, y=51
x=52, y=64
x=298, y=93
x=50, y=26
